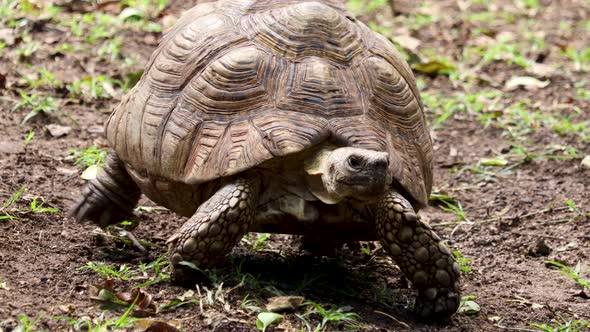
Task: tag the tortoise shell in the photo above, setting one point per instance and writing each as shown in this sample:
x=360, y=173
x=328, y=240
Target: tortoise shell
x=237, y=83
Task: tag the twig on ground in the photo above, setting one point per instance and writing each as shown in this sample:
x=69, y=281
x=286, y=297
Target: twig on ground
x=393, y=318
x=133, y=239
x=200, y=301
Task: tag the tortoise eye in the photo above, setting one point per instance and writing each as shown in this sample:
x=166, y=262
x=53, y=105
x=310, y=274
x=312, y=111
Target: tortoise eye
x=355, y=162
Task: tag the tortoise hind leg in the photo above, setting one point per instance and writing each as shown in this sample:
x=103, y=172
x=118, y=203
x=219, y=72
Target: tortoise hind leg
x=110, y=197
x=215, y=228
x=421, y=256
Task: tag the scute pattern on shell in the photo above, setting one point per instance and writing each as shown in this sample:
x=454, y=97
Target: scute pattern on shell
x=237, y=83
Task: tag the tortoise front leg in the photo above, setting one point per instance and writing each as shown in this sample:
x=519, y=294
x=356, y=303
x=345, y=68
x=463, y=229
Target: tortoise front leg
x=110, y=197
x=421, y=256
x=215, y=228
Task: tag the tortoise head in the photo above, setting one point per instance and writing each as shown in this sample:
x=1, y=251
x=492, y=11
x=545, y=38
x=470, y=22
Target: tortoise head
x=356, y=173
x=335, y=173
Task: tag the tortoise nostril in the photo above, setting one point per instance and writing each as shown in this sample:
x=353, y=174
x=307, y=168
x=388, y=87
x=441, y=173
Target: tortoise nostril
x=381, y=164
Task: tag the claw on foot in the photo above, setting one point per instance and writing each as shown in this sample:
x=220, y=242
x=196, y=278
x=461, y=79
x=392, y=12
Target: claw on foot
x=109, y=198
x=436, y=303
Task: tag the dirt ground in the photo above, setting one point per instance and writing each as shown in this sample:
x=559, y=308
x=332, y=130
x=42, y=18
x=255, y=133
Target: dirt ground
x=508, y=156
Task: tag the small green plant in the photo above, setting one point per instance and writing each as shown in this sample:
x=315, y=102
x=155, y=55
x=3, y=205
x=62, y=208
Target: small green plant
x=111, y=49
x=250, y=304
x=93, y=27
x=366, y=6
x=28, y=47
x=561, y=325
x=123, y=273
x=8, y=11
x=366, y=248
x=152, y=272
x=265, y=319
x=579, y=58
x=504, y=49
x=26, y=325
x=582, y=91
x=260, y=241
x=443, y=108
x=99, y=31
x=491, y=168
x=38, y=105
x=39, y=208
x=419, y=21
x=66, y=48
x=43, y=78
x=92, y=159
x=89, y=157
x=2, y=47
x=157, y=266
x=455, y=208
x=76, y=27
x=463, y=262
x=101, y=324
x=530, y=4
x=245, y=278
x=95, y=87
x=142, y=10
x=574, y=207
x=29, y=138
x=574, y=274
x=328, y=315
x=14, y=12
x=520, y=153
x=15, y=197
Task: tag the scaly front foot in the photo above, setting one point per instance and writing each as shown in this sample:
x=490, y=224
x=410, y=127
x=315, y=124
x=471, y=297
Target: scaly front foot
x=421, y=256
x=215, y=228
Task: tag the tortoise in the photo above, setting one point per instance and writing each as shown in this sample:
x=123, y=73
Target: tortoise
x=279, y=117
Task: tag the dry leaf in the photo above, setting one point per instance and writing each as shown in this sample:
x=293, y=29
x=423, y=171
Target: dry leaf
x=57, y=130
x=408, y=42
x=284, y=303
x=527, y=82
x=110, y=299
x=541, y=70
x=90, y=172
x=150, y=325
x=144, y=303
x=434, y=67
x=184, y=299
x=66, y=171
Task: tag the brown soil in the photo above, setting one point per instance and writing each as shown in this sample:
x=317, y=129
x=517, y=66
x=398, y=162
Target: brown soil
x=509, y=214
